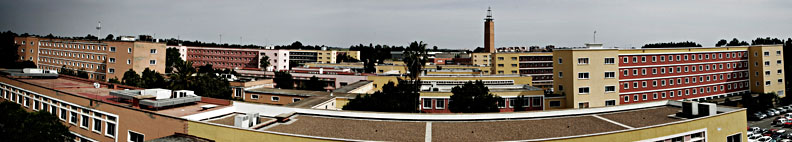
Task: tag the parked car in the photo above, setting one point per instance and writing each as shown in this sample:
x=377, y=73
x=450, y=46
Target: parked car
x=764, y=139
x=769, y=113
x=781, y=109
x=785, y=136
x=755, y=136
x=778, y=121
x=757, y=116
x=775, y=111
x=787, y=123
x=755, y=129
x=788, y=115
x=785, y=140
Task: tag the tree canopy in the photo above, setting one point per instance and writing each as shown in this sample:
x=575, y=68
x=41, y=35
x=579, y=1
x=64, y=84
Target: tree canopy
x=9, y=57
x=473, y=97
x=264, y=62
x=283, y=80
x=672, y=44
x=392, y=98
x=314, y=84
x=172, y=55
x=18, y=125
x=372, y=54
x=415, y=57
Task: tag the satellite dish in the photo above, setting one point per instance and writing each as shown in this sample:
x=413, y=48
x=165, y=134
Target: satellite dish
x=97, y=85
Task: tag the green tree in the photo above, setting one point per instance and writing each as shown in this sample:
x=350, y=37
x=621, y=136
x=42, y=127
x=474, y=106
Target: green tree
x=519, y=102
x=735, y=42
x=66, y=71
x=672, y=44
x=415, y=58
x=721, y=42
x=82, y=74
x=152, y=79
x=264, y=62
x=392, y=98
x=8, y=50
x=114, y=80
x=314, y=84
x=172, y=56
x=131, y=78
x=18, y=125
x=205, y=83
x=283, y=80
x=473, y=97
x=109, y=37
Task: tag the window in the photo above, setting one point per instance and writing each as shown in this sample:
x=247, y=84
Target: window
x=129, y=61
x=610, y=103
x=654, y=96
x=583, y=105
x=440, y=104
x=610, y=74
x=635, y=71
x=111, y=70
x=275, y=98
x=583, y=90
x=153, y=62
x=734, y=138
x=643, y=97
x=255, y=97
x=643, y=58
x=129, y=50
x=767, y=83
x=583, y=75
x=610, y=88
x=111, y=60
x=767, y=63
x=654, y=58
x=561, y=87
x=135, y=137
x=625, y=60
x=560, y=74
x=610, y=61
x=635, y=59
x=427, y=103
x=626, y=98
x=766, y=53
x=85, y=121
x=626, y=85
x=560, y=61
x=112, y=49
x=662, y=58
x=500, y=58
x=626, y=72
x=555, y=103
x=97, y=126
x=501, y=103
x=778, y=62
x=153, y=51
x=73, y=118
x=583, y=61
x=63, y=114
x=643, y=71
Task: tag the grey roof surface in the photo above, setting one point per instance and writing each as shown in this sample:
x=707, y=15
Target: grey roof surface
x=353, y=86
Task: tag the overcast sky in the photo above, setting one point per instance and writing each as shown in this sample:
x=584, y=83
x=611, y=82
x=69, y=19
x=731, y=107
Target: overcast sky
x=446, y=24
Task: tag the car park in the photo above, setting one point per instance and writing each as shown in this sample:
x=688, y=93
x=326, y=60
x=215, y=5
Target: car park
x=754, y=136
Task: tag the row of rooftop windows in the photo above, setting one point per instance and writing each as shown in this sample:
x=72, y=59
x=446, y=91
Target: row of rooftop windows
x=85, y=118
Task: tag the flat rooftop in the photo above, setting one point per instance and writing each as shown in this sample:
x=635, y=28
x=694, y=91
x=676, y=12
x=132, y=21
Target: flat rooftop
x=87, y=90
x=531, y=126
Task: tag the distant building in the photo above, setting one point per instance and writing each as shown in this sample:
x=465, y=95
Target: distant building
x=102, y=60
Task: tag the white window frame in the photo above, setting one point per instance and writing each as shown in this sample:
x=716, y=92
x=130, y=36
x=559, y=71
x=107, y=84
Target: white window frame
x=587, y=75
x=129, y=135
x=275, y=98
x=588, y=90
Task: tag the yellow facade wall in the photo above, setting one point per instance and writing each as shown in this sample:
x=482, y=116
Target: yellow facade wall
x=227, y=134
x=758, y=69
x=570, y=67
x=718, y=128
x=481, y=59
x=506, y=63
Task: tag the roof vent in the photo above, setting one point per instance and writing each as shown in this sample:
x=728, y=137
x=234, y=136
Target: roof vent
x=692, y=109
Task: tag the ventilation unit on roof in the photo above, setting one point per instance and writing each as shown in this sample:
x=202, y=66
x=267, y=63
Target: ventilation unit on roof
x=692, y=109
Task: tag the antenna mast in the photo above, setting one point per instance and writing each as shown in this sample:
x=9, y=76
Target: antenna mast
x=595, y=36
x=99, y=28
